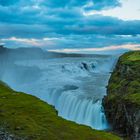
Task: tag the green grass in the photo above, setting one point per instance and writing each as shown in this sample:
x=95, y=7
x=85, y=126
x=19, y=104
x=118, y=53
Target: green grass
x=122, y=104
x=125, y=80
x=134, y=56
x=133, y=98
x=131, y=56
x=28, y=117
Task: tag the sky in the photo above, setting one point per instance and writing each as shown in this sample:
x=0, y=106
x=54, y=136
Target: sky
x=71, y=25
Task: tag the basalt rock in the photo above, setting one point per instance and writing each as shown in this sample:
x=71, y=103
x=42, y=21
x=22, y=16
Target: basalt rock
x=122, y=103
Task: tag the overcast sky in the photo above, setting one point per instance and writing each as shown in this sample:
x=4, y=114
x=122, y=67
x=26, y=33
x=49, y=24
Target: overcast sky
x=71, y=25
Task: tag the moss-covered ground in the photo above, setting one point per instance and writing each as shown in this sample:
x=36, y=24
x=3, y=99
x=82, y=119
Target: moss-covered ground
x=125, y=80
x=28, y=117
x=122, y=103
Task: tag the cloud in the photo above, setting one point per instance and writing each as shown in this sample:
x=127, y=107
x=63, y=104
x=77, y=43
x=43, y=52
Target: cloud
x=71, y=41
x=29, y=22
x=47, y=42
x=102, y=4
x=96, y=4
x=128, y=11
x=103, y=49
x=32, y=42
x=28, y=42
x=7, y=2
x=50, y=26
x=62, y=17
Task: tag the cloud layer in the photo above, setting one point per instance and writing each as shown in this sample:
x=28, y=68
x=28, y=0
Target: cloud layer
x=64, y=23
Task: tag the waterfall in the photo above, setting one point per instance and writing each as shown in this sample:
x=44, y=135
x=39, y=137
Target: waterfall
x=82, y=111
x=74, y=86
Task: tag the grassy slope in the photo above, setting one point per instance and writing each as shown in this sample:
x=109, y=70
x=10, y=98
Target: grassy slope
x=125, y=80
x=28, y=117
x=122, y=104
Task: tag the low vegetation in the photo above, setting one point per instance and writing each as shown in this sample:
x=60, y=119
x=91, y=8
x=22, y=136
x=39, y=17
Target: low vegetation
x=125, y=80
x=26, y=117
x=122, y=104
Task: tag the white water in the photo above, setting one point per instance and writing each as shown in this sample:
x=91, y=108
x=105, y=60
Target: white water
x=75, y=86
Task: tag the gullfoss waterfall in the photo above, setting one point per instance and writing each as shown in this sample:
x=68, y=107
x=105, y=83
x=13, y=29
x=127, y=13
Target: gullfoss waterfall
x=74, y=86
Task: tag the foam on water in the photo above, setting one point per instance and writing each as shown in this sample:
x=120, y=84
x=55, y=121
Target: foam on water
x=82, y=111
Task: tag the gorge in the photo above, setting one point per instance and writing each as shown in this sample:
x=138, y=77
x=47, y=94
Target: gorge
x=75, y=84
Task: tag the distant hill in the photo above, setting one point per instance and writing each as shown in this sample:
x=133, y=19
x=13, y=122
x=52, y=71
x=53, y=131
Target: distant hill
x=37, y=53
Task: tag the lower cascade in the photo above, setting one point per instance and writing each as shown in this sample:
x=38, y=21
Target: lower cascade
x=82, y=111
x=74, y=86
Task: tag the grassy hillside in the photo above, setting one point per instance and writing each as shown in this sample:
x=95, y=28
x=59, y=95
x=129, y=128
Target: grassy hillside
x=122, y=104
x=25, y=116
x=125, y=80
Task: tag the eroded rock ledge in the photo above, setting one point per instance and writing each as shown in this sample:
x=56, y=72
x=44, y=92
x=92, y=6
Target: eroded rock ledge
x=122, y=104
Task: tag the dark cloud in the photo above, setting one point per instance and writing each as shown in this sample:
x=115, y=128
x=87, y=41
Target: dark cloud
x=102, y=4
x=88, y=4
x=7, y=2
x=65, y=20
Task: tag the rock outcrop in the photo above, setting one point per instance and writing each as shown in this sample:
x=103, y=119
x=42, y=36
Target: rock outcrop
x=122, y=103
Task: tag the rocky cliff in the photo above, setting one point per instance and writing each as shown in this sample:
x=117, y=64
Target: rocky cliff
x=122, y=104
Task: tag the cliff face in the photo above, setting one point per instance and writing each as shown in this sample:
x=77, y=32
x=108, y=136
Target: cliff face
x=122, y=104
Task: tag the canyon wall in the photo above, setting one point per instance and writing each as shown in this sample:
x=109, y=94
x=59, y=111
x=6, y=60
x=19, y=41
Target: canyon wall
x=122, y=104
